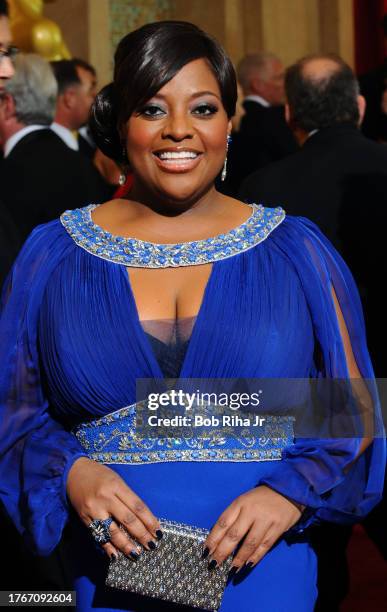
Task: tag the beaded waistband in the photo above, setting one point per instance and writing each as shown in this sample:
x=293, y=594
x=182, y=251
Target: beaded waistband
x=113, y=439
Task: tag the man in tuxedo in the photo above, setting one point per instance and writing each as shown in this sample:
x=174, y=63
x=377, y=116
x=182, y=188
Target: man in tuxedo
x=9, y=240
x=77, y=83
x=338, y=179
x=264, y=136
x=333, y=177
x=40, y=176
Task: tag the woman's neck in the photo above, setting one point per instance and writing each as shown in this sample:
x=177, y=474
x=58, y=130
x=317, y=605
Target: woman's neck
x=147, y=204
x=210, y=215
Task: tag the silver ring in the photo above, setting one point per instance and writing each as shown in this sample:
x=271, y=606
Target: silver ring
x=100, y=530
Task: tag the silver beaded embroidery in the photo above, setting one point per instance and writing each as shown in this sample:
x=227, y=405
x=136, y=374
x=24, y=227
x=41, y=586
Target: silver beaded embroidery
x=113, y=439
x=175, y=571
x=139, y=253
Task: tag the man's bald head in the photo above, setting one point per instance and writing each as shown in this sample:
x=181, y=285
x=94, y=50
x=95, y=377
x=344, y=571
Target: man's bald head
x=322, y=91
x=320, y=68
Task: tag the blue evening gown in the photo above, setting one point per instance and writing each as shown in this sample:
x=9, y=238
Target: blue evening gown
x=72, y=347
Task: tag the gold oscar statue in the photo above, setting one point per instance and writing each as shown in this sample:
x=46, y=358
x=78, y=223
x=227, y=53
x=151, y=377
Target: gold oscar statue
x=34, y=33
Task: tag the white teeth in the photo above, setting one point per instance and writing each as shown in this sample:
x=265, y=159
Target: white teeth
x=178, y=155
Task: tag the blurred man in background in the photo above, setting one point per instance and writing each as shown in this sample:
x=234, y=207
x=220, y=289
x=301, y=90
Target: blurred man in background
x=40, y=176
x=264, y=136
x=77, y=88
x=338, y=179
x=335, y=174
x=9, y=241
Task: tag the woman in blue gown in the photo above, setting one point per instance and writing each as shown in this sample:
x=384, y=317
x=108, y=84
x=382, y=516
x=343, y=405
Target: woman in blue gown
x=103, y=297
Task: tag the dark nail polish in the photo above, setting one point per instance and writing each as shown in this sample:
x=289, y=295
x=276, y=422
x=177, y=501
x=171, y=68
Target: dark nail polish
x=249, y=564
x=159, y=534
x=113, y=557
x=212, y=564
x=232, y=571
x=152, y=544
x=134, y=555
x=205, y=552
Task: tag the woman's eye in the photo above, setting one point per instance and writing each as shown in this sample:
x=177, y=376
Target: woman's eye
x=205, y=109
x=151, y=110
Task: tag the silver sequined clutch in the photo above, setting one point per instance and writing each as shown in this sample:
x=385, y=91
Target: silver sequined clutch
x=175, y=571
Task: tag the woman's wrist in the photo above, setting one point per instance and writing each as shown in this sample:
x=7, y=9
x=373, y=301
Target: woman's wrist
x=299, y=506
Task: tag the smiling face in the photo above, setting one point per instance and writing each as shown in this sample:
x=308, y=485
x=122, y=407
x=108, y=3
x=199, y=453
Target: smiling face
x=176, y=142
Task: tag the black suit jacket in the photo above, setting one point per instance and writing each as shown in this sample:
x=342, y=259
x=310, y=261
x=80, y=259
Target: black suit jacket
x=42, y=177
x=85, y=147
x=338, y=179
x=372, y=85
x=9, y=243
x=264, y=137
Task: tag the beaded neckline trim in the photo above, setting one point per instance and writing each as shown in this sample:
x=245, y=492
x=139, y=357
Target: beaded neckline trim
x=141, y=254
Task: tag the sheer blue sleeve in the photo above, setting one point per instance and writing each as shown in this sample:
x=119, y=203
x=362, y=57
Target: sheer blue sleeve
x=36, y=451
x=334, y=477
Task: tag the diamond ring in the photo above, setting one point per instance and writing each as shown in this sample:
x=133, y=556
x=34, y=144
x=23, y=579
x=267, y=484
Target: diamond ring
x=100, y=530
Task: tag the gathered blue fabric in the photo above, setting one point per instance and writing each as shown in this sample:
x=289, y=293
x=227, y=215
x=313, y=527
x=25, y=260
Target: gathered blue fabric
x=72, y=347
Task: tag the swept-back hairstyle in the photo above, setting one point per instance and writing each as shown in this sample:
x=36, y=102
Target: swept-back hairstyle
x=145, y=61
x=322, y=102
x=3, y=8
x=66, y=72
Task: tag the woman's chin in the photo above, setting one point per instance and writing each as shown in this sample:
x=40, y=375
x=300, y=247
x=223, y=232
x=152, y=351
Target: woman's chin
x=180, y=192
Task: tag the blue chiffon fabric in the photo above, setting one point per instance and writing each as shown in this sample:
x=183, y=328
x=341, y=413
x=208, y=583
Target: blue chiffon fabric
x=72, y=347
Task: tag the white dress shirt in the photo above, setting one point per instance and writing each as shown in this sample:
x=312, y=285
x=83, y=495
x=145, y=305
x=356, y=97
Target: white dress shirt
x=259, y=99
x=66, y=135
x=312, y=133
x=12, y=142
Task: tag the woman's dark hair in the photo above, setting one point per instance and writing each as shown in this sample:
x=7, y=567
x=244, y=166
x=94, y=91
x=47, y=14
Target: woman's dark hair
x=145, y=61
x=322, y=102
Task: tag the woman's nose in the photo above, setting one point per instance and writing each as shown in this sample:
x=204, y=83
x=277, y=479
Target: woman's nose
x=178, y=127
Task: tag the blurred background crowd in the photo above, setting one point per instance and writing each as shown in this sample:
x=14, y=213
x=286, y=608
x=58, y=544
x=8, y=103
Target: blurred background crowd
x=310, y=134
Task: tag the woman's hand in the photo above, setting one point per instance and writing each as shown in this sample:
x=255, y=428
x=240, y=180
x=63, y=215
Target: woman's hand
x=97, y=492
x=262, y=515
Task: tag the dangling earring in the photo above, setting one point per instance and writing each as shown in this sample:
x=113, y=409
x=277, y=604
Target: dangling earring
x=224, y=171
x=122, y=179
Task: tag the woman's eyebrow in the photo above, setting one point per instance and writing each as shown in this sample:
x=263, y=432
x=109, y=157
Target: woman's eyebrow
x=198, y=94
x=204, y=93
